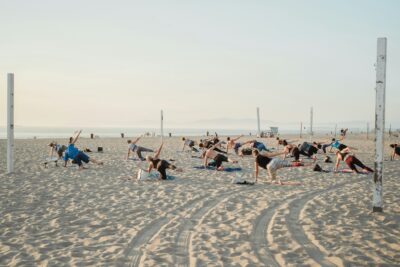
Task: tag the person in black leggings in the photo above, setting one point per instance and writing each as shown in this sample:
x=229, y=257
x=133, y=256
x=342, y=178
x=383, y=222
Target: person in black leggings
x=159, y=164
x=351, y=161
x=309, y=150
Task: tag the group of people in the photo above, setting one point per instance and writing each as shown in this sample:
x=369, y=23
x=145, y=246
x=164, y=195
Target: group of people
x=214, y=152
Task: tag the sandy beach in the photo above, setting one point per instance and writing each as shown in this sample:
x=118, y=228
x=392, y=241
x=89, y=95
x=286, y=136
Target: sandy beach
x=103, y=216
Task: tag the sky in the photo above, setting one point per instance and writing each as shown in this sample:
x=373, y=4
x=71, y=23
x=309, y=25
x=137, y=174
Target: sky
x=205, y=63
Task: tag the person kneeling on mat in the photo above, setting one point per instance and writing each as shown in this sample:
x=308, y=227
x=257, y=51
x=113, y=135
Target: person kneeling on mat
x=76, y=155
x=159, y=164
x=267, y=162
x=217, y=157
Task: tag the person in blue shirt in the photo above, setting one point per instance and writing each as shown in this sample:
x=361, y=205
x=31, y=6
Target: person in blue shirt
x=76, y=155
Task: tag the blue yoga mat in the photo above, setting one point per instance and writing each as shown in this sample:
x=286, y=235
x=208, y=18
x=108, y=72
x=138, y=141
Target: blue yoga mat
x=228, y=169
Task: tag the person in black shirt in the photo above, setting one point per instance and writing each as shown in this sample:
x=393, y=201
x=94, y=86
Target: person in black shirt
x=159, y=164
x=267, y=162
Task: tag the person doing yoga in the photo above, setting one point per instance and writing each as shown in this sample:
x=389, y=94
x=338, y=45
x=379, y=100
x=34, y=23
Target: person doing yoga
x=188, y=143
x=132, y=147
x=267, y=162
x=159, y=164
x=350, y=160
x=218, y=158
x=76, y=155
x=232, y=144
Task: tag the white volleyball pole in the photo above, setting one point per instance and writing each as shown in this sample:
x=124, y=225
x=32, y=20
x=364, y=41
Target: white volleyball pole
x=162, y=125
x=301, y=129
x=258, y=122
x=379, y=123
x=311, y=122
x=335, y=129
x=367, y=130
x=10, y=122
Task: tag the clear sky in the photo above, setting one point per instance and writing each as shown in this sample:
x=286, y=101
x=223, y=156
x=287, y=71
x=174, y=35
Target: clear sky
x=117, y=63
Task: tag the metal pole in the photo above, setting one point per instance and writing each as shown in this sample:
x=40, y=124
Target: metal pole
x=301, y=129
x=311, y=122
x=379, y=123
x=335, y=129
x=10, y=122
x=162, y=125
x=367, y=130
x=258, y=122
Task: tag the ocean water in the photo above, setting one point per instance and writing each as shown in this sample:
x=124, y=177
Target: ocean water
x=23, y=132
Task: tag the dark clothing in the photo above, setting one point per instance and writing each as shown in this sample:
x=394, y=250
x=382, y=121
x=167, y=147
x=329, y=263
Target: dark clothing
x=341, y=147
x=296, y=153
x=161, y=166
x=60, y=150
x=219, y=159
x=262, y=161
x=236, y=147
x=325, y=146
x=141, y=149
x=397, y=150
x=352, y=162
x=308, y=149
x=247, y=151
x=79, y=158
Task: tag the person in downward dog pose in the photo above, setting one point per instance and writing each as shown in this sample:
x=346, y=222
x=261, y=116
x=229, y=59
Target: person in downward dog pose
x=132, y=147
x=159, y=164
x=76, y=155
x=351, y=161
x=267, y=162
x=217, y=157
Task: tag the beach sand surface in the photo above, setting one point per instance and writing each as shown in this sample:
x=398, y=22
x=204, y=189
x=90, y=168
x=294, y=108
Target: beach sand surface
x=103, y=215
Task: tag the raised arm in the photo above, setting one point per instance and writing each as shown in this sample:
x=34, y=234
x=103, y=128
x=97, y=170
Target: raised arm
x=237, y=138
x=158, y=151
x=214, y=146
x=150, y=167
x=76, y=137
x=137, y=139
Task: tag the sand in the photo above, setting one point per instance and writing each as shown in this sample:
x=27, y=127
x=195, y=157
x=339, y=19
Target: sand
x=60, y=216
